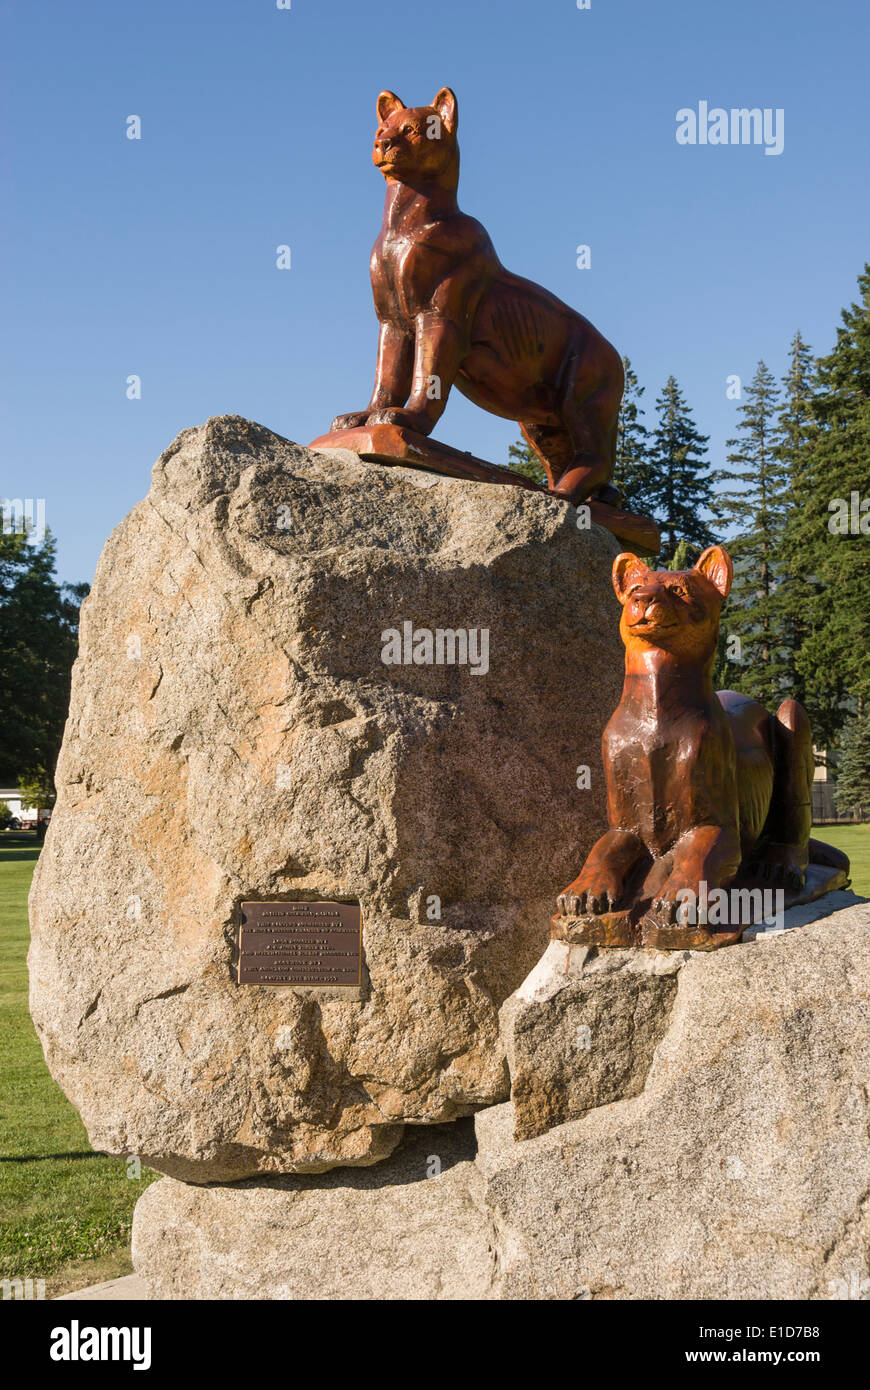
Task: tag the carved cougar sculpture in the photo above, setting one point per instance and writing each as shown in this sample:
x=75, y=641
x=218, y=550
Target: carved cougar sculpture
x=701, y=788
x=451, y=314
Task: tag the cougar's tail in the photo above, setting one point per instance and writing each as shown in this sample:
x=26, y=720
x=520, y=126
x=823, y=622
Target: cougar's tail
x=827, y=855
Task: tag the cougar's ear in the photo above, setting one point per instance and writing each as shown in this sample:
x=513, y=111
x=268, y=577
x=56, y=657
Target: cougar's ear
x=387, y=103
x=627, y=570
x=445, y=105
x=715, y=564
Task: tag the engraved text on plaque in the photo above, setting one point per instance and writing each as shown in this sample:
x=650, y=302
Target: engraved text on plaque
x=283, y=943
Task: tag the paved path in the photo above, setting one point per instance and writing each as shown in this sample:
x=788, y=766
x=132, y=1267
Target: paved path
x=129, y=1287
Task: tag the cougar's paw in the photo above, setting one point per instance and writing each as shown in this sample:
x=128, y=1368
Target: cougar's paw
x=350, y=421
x=784, y=872
x=786, y=876
x=666, y=911
x=404, y=419
x=582, y=904
x=609, y=495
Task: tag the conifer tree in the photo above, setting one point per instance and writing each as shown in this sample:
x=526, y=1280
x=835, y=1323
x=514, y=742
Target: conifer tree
x=634, y=470
x=796, y=599
x=833, y=541
x=679, y=489
x=683, y=557
x=756, y=508
x=853, y=775
x=523, y=459
x=38, y=640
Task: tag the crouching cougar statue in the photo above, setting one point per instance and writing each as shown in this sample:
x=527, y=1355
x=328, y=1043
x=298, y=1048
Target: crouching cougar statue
x=705, y=791
x=450, y=314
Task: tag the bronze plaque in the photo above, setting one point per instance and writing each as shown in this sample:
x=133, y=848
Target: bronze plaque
x=283, y=943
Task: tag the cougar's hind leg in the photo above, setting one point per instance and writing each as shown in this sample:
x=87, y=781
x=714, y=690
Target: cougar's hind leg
x=786, y=836
x=591, y=423
x=553, y=446
x=609, y=492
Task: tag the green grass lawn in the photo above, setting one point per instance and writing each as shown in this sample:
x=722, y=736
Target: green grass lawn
x=853, y=840
x=65, y=1211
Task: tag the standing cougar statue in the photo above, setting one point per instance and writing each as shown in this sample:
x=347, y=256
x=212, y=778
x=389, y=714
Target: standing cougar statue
x=451, y=314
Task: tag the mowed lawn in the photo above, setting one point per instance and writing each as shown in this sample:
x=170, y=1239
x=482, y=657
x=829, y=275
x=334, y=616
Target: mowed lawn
x=65, y=1211
x=853, y=840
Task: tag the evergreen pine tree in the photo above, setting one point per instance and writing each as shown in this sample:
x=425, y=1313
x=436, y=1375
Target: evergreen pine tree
x=38, y=639
x=679, y=488
x=634, y=471
x=833, y=541
x=523, y=459
x=796, y=599
x=757, y=509
x=853, y=778
x=683, y=557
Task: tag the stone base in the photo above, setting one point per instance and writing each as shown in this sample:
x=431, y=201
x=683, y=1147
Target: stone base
x=411, y=1228
x=721, y=1153
x=128, y=1289
x=582, y=1029
x=392, y=444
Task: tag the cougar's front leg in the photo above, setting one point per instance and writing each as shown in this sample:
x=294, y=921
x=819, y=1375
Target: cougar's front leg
x=393, y=374
x=392, y=377
x=600, y=885
x=437, y=357
x=708, y=854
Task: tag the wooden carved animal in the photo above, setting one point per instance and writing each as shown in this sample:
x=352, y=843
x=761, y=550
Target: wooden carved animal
x=450, y=314
x=702, y=788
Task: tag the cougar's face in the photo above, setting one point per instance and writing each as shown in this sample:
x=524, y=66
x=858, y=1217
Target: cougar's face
x=675, y=611
x=671, y=610
x=411, y=143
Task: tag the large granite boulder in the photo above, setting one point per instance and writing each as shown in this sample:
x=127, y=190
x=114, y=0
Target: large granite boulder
x=583, y=1027
x=738, y=1170
x=234, y=733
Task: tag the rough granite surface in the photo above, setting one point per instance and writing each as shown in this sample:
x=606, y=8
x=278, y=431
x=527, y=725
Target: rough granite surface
x=234, y=733
x=738, y=1171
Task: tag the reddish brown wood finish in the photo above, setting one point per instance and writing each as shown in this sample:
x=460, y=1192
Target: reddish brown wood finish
x=450, y=314
x=701, y=788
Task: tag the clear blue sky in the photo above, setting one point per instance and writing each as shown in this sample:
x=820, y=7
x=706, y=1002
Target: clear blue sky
x=157, y=257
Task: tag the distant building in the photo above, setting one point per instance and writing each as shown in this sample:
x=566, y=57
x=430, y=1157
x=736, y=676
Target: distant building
x=825, y=788
x=19, y=808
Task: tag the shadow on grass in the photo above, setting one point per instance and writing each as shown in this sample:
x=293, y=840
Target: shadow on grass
x=46, y=1158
